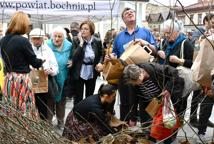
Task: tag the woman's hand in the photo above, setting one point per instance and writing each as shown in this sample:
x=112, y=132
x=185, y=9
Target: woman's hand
x=49, y=71
x=80, y=38
x=69, y=63
x=175, y=59
x=110, y=57
x=132, y=123
x=99, y=67
x=165, y=93
x=161, y=54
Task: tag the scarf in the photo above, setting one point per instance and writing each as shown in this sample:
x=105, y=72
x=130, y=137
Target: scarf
x=171, y=46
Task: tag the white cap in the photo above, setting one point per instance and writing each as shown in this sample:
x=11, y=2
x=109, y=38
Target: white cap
x=37, y=32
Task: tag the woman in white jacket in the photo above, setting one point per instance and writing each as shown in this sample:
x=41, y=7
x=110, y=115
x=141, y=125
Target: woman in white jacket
x=50, y=66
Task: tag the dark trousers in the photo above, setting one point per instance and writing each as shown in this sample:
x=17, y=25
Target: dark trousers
x=196, y=99
x=79, y=88
x=145, y=118
x=205, y=113
x=128, y=100
x=205, y=109
x=41, y=104
x=56, y=107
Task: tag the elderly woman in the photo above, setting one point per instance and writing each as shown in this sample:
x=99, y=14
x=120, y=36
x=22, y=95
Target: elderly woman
x=18, y=55
x=62, y=50
x=153, y=80
x=90, y=117
x=87, y=59
x=50, y=67
x=170, y=53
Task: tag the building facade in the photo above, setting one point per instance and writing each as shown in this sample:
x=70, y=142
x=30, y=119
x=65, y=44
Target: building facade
x=196, y=13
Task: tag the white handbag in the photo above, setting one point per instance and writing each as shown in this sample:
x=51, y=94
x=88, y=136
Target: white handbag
x=186, y=74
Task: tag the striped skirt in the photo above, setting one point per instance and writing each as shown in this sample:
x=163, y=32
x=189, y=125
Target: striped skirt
x=18, y=94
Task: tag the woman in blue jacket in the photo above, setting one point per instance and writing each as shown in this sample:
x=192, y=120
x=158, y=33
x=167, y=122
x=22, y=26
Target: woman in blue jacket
x=62, y=49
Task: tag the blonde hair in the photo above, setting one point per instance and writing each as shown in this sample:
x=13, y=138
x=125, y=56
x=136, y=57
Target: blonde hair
x=19, y=23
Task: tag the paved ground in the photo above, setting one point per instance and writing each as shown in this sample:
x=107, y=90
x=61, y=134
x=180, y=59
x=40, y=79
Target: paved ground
x=192, y=137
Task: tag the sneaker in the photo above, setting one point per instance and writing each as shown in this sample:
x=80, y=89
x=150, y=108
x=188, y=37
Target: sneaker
x=201, y=139
x=60, y=125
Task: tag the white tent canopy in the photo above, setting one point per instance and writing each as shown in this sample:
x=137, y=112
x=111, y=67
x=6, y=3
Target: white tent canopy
x=60, y=11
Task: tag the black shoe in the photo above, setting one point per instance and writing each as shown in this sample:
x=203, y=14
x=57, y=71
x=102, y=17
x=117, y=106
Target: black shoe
x=210, y=124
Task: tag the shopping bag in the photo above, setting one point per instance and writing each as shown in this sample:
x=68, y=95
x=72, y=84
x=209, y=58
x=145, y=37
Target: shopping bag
x=53, y=87
x=189, y=83
x=186, y=74
x=204, y=63
x=158, y=130
x=39, y=81
x=113, y=69
x=136, y=54
x=153, y=107
x=169, y=116
x=113, y=81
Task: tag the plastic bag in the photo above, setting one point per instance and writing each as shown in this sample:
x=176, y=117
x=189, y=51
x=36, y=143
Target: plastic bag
x=169, y=116
x=158, y=130
x=186, y=73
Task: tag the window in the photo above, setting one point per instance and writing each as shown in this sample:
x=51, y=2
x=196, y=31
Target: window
x=199, y=19
x=191, y=17
x=182, y=18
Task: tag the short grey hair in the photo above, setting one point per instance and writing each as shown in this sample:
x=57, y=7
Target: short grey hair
x=74, y=25
x=173, y=25
x=59, y=29
x=132, y=72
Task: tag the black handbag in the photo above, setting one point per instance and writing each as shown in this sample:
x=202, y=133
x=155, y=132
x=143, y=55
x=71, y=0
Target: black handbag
x=68, y=89
x=53, y=87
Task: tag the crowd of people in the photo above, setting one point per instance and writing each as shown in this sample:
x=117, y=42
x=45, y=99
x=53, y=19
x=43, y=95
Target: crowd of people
x=75, y=58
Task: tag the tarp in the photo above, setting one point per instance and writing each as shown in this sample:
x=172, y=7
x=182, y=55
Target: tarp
x=48, y=11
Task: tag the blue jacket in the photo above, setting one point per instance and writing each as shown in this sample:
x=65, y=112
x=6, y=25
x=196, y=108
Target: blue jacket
x=62, y=58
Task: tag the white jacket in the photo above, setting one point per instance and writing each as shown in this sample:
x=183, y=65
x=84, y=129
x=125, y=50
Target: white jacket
x=44, y=52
